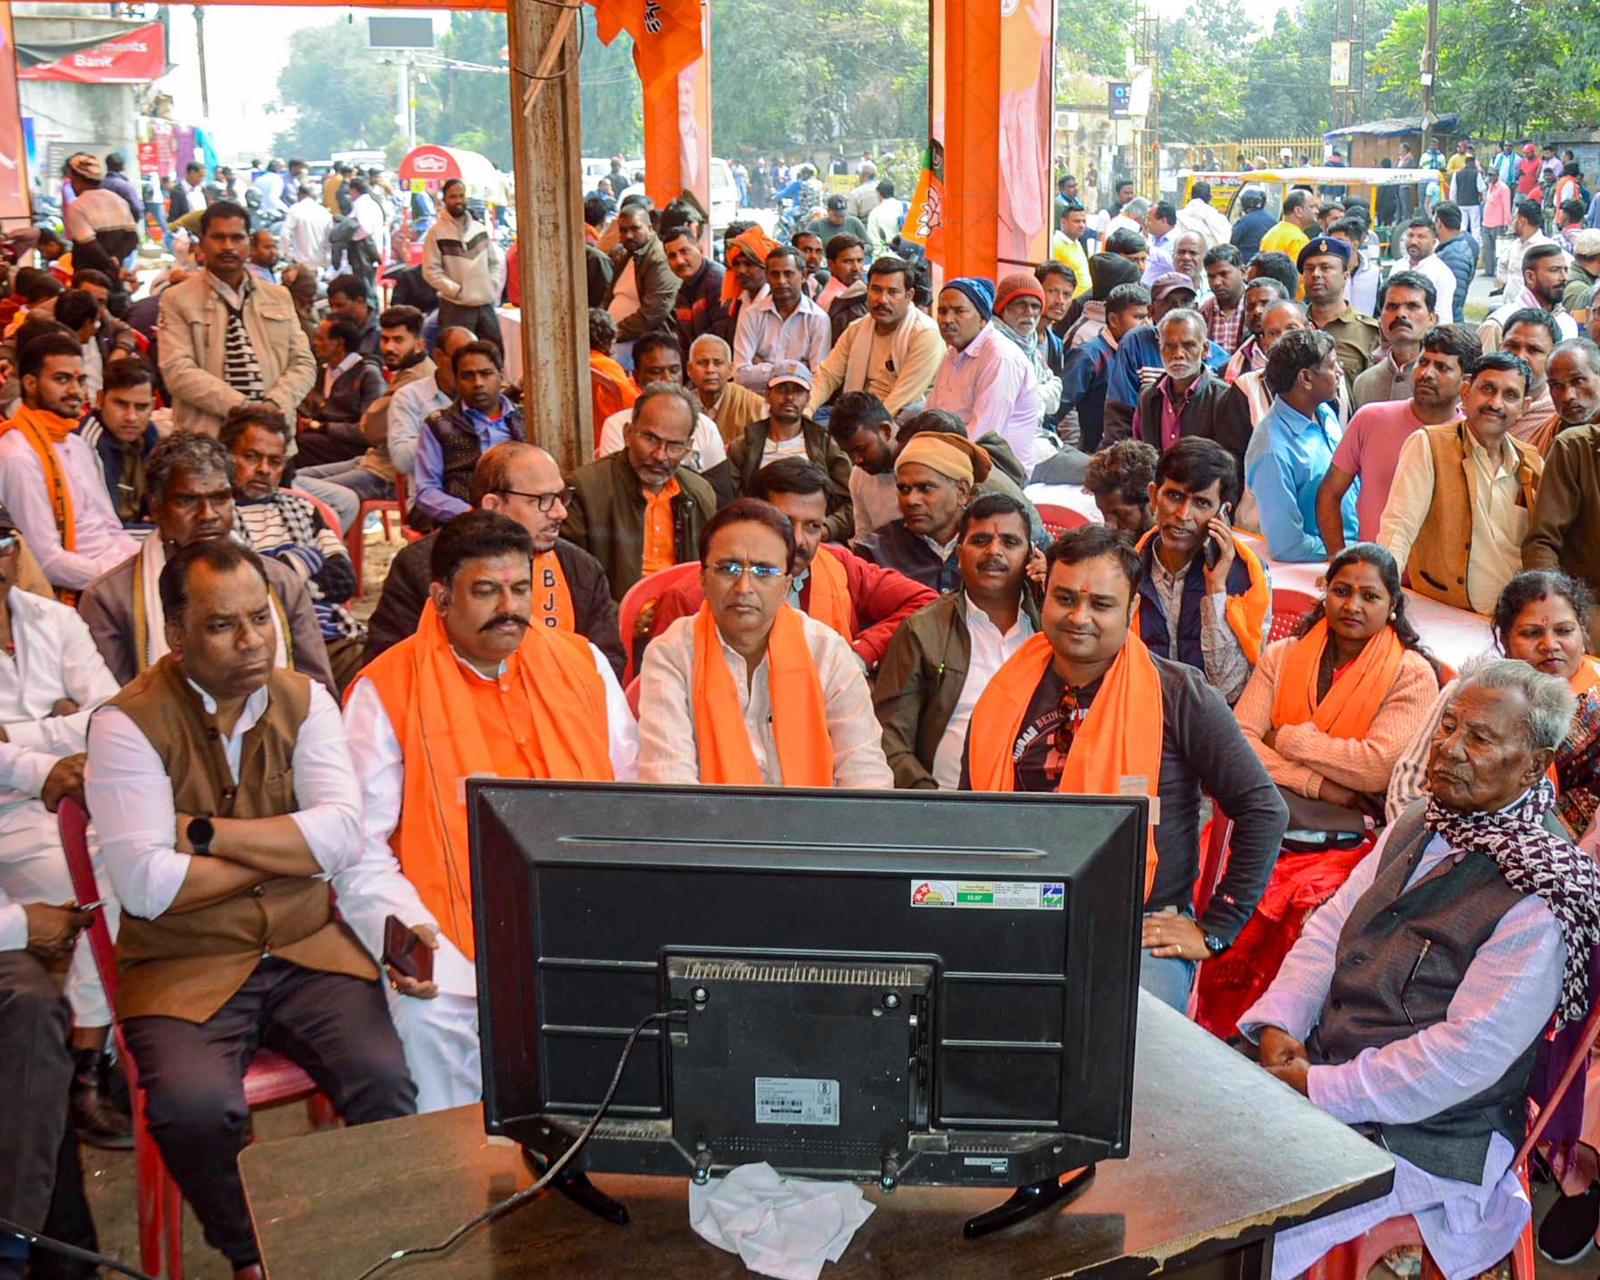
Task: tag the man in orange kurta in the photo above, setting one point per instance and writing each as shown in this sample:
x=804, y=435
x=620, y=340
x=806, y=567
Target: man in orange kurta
x=477, y=691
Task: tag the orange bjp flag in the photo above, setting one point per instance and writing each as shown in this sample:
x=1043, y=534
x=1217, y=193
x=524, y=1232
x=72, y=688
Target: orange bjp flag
x=666, y=36
x=924, y=221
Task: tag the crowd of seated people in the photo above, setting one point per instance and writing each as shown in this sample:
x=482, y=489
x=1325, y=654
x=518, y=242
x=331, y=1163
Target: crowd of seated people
x=806, y=555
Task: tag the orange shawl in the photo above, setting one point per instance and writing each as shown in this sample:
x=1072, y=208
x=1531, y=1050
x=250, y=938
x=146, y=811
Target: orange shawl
x=1118, y=743
x=755, y=244
x=799, y=709
x=427, y=698
x=1353, y=700
x=43, y=430
x=829, y=603
x=1245, y=613
x=552, y=600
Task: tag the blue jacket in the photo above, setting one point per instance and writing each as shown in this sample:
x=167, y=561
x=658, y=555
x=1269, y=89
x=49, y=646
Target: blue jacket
x=1153, y=622
x=1461, y=256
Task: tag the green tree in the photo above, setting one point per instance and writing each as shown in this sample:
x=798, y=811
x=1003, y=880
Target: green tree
x=341, y=93
x=1506, y=68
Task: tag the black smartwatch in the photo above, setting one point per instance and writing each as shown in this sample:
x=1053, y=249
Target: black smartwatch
x=1215, y=945
x=202, y=832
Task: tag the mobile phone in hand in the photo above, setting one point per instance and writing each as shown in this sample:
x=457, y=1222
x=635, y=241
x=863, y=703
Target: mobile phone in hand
x=405, y=952
x=1213, y=547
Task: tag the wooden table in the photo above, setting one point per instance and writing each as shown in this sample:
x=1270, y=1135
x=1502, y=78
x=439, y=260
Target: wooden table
x=1222, y=1157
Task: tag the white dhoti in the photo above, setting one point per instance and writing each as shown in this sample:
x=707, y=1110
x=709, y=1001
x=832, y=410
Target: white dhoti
x=440, y=1036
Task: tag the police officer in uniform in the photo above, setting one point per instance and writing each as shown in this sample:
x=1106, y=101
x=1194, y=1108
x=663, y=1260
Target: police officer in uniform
x=1324, y=266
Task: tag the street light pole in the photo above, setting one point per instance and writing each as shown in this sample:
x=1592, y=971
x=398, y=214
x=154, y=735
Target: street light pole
x=200, y=49
x=1430, y=67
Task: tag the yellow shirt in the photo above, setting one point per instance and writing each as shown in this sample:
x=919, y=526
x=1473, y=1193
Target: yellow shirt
x=1071, y=253
x=1285, y=237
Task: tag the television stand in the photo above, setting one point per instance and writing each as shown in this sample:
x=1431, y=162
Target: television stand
x=1028, y=1201
x=575, y=1185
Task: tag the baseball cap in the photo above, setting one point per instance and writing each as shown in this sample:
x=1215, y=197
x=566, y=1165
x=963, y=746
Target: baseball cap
x=792, y=371
x=837, y=202
x=1171, y=282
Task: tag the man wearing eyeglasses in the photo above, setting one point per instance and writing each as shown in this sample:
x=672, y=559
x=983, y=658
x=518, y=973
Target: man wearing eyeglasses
x=570, y=589
x=1085, y=708
x=641, y=509
x=453, y=439
x=482, y=687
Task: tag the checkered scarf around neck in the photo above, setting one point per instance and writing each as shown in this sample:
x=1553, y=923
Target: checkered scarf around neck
x=1534, y=860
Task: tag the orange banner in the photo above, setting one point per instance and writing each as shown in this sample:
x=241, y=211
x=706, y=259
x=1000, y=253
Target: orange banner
x=677, y=134
x=14, y=204
x=666, y=36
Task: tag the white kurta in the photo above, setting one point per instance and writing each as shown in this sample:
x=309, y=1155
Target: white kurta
x=439, y=1036
x=55, y=658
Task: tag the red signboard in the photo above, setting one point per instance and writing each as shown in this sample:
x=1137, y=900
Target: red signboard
x=430, y=163
x=149, y=158
x=131, y=57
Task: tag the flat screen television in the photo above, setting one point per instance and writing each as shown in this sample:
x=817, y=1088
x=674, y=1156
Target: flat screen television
x=881, y=986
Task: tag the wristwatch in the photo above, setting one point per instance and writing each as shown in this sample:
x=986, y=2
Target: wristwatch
x=202, y=832
x=1215, y=945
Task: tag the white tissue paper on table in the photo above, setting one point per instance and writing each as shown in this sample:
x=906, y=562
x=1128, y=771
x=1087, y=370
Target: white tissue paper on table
x=783, y=1227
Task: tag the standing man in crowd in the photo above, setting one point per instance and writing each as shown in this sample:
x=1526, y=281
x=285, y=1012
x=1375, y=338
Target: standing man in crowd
x=1543, y=269
x=303, y=237
x=1223, y=308
x=1369, y=451
x=227, y=338
x=1407, y=312
x=464, y=265
x=699, y=308
x=783, y=325
x=1462, y=492
x=1292, y=231
x=1323, y=265
x=100, y=224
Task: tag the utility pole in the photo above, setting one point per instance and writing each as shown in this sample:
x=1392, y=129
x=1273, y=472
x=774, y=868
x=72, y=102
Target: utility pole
x=1430, y=67
x=200, y=48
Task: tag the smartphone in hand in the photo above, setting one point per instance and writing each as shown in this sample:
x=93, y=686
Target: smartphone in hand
x=405, y=952
x=1213, y=549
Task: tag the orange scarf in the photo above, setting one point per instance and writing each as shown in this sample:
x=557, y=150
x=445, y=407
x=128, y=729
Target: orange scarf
x=829, y=602
x=1245, y=614
x=552, y=601
x=1353, y=699
x=799, y=709
x=44, y=430
x=755, y=244
x=428, y=699
x=1117, y=743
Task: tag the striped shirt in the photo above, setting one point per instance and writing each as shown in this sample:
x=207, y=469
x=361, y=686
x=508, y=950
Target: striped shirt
x=288, y=528
x=240, y=368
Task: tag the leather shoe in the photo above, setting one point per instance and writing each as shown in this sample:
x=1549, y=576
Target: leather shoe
x=252, y=1272
x=99, y=1121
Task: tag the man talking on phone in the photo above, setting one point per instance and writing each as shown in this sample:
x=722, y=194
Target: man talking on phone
x=482, y=688
x=1204, y=597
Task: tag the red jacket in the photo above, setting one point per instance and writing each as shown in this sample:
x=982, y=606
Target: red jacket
x=880, y=600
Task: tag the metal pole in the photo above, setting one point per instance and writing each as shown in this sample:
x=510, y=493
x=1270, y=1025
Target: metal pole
x=1430, y=66
x=200, y=49
x=403, y=85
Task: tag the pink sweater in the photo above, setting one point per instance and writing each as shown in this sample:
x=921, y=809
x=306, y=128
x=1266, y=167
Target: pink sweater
x=1362, y=764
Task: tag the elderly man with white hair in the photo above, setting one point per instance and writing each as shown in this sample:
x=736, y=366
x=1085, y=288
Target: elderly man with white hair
x=1414, y=1002
x=722, y=399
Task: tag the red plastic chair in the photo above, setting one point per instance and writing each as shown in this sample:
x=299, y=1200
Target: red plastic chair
x=1353, y=1259
x=1057, y=520
x=650, y=587
x=1288, y=607
x=271, y=1078
x=402, y=494
x=1212, y=859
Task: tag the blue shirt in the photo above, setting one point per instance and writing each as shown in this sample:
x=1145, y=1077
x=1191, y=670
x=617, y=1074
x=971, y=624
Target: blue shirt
x=428, y=474
x=1295, y=454
x=1141, y=348
x=1083, y=387
x=1247, y=232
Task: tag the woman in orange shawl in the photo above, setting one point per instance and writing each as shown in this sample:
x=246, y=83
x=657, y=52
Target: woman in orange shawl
x=1328, y=713
x=750, y=691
